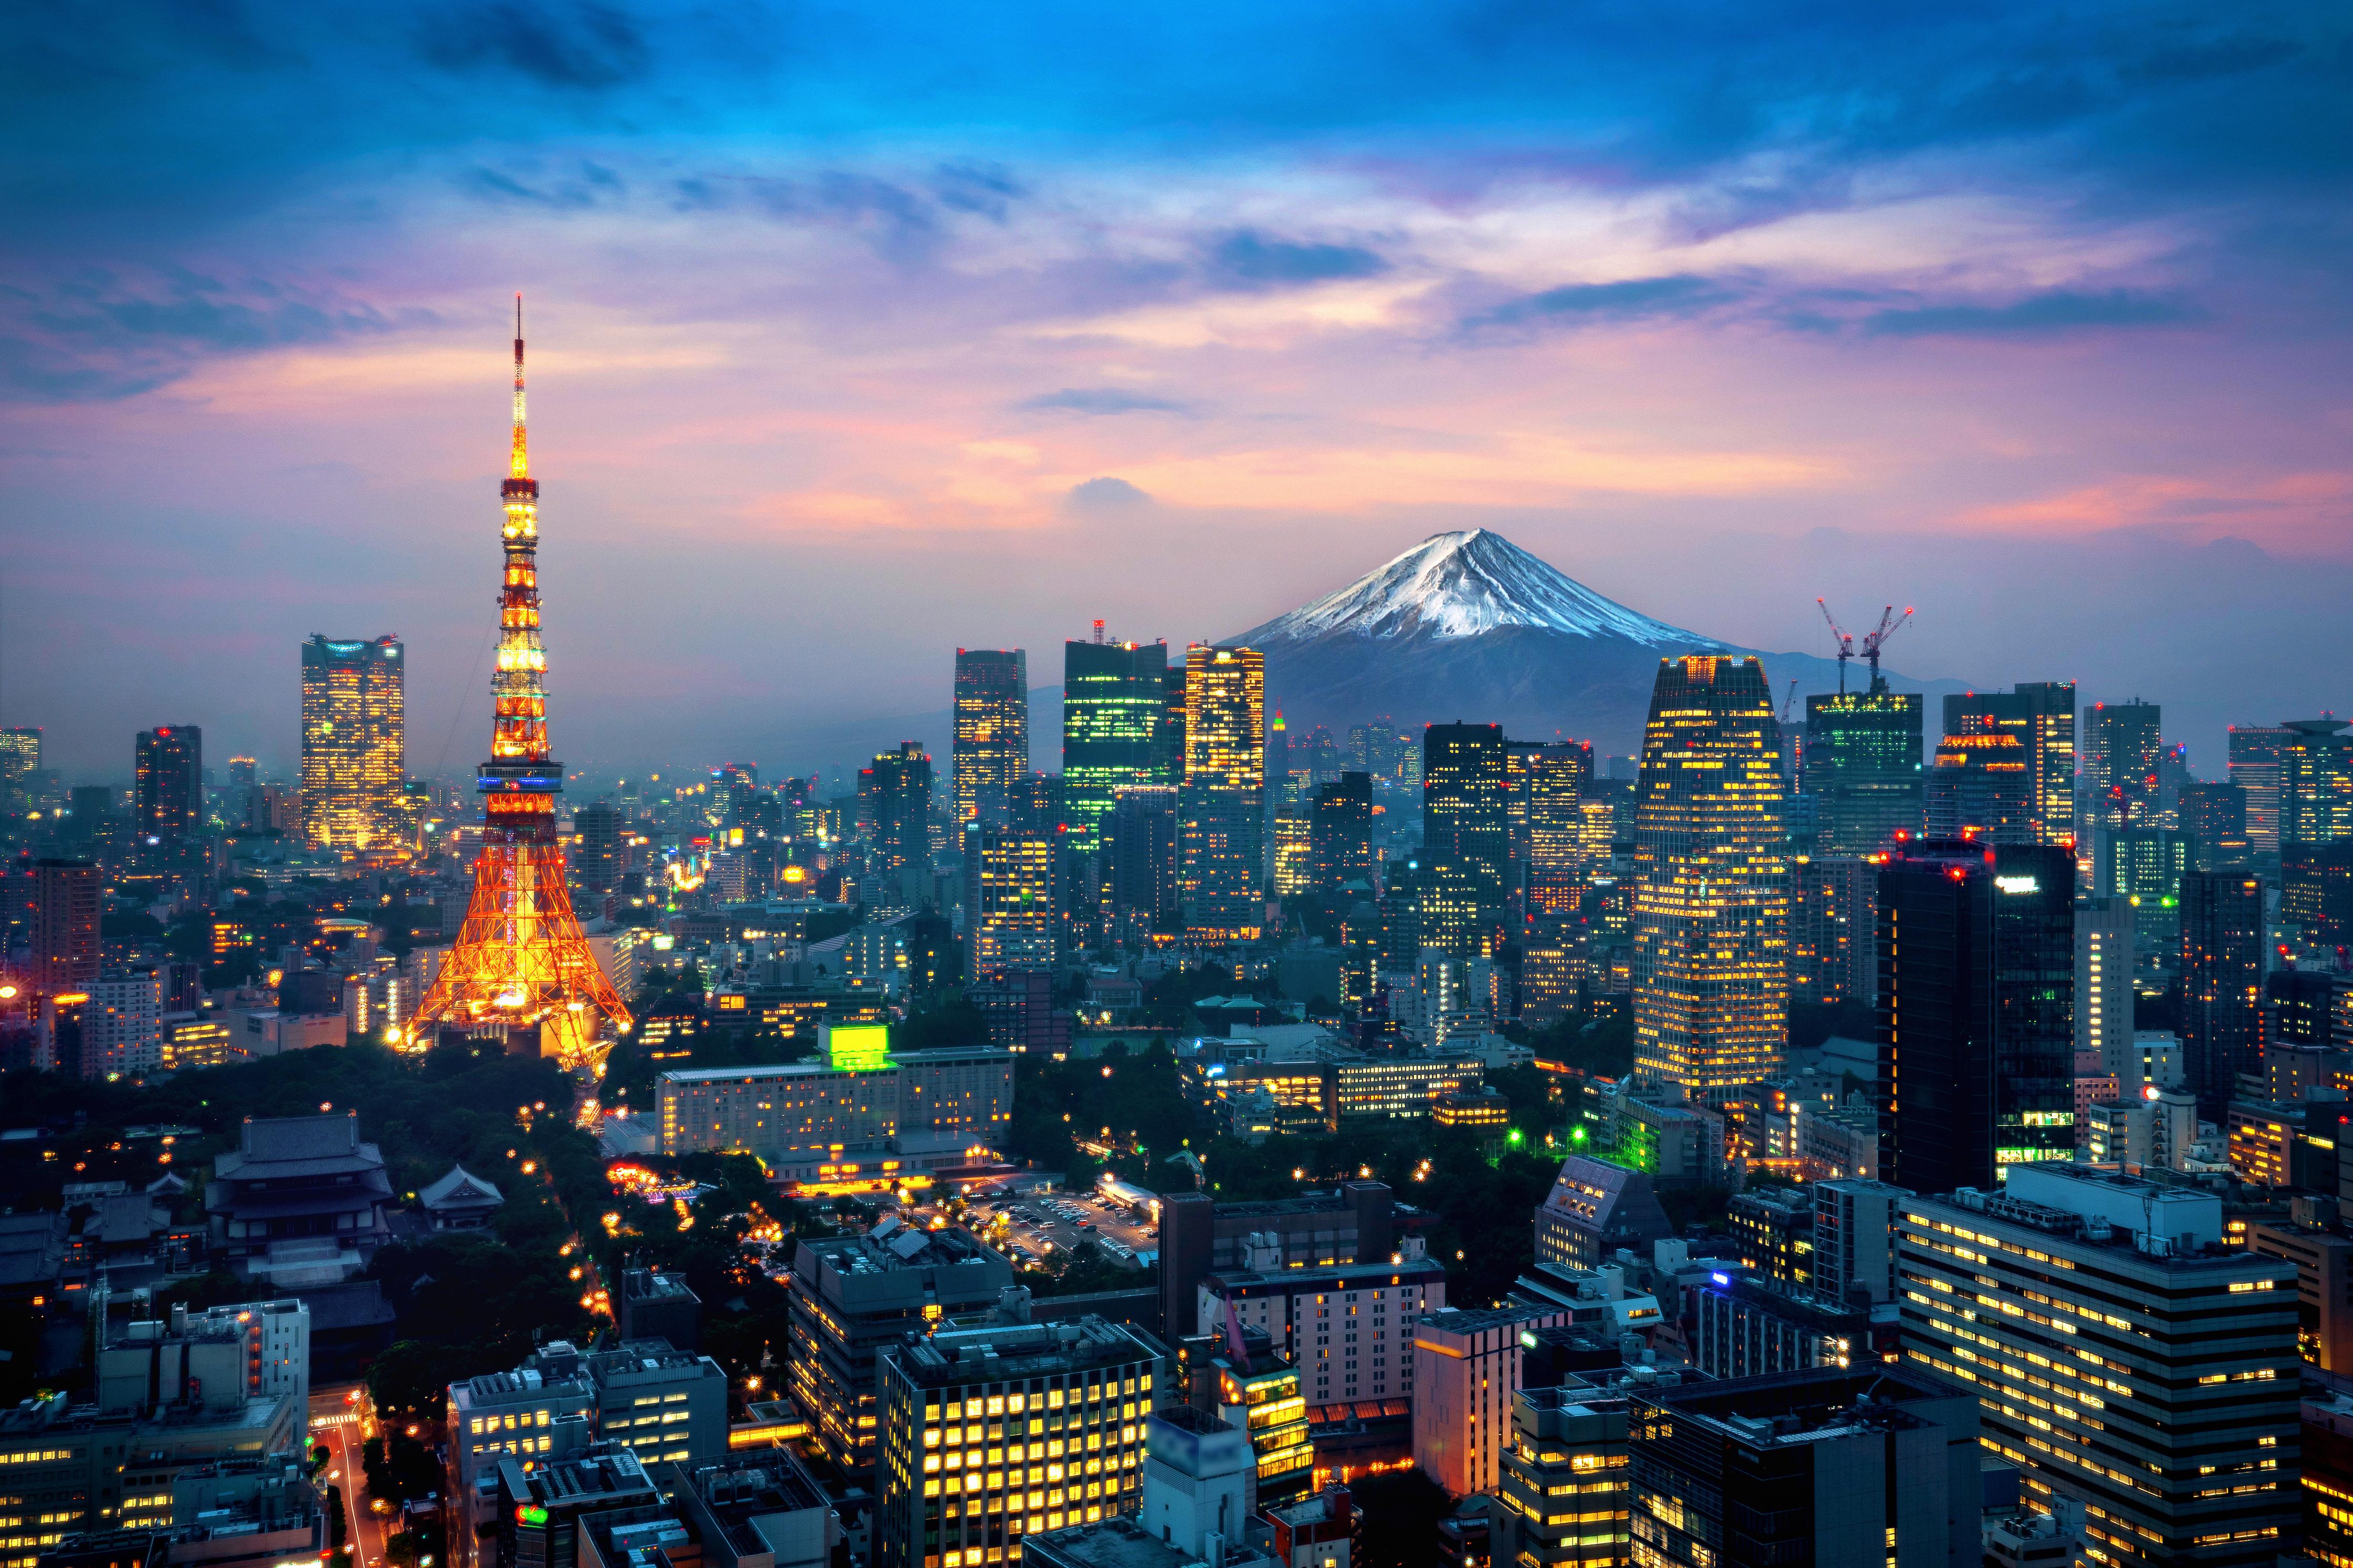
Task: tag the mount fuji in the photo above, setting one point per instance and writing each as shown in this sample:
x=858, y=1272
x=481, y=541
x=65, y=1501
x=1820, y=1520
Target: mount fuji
x=1470, y=627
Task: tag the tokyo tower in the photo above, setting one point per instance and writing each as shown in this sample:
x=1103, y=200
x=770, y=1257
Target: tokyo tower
x=520, y=963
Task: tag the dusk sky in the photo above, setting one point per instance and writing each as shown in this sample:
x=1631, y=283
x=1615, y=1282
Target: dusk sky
x=860, y=331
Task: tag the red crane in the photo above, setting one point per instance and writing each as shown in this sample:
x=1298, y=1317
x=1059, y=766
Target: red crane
x=1890, y=623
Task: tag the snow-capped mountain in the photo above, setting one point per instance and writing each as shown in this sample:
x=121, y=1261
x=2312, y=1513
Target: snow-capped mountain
x=1459, y=585
x=1470, y=627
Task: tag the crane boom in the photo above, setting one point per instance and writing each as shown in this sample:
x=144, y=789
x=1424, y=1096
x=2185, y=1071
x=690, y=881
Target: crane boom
x=1845, y=644
x=1890, y=623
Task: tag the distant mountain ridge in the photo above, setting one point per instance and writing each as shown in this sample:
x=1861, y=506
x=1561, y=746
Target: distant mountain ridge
x=1469, y=627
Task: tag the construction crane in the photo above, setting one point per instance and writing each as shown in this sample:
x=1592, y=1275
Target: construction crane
x=1790, y=700
x=1890, y=623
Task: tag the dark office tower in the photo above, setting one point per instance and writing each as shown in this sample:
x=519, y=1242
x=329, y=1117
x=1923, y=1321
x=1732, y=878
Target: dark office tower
x=2256, y=768
x=169, y=805
x=2120, y=763
x=1862, y=767
x=1340, y=832
x=1140, y=846
x=2222, y=970
x=1038, y=807
x=354, y=755
x=1976, y=979
x=992, y=732
x=600, y=853
x=65, y=947
x=1546, y=783
x=2316, y=783
x=1832, y=899
x=1169, y=748
x=1222, y=806
x=20, y=759
x=1466, y=827
x=1711, y=917
x=1112, y=712
x=898, y=791
x=2214, y=816
x=1981, y=787
x=1400, y=907
x=242, y=772
x=2041, y=714
x=2317, y=892
x=2299, y=1010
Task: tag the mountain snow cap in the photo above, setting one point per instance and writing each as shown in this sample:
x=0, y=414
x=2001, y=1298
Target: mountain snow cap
x=1462, y=584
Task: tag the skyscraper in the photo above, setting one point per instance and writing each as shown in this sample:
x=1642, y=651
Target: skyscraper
x=2214, y=815
x=520, y=963
x=2121, y=762
x=1222, y=807
x=2103, y=982
x=1982, y=787
x=603, y=833
x=353, y=745
x=1010, y=921
x=2254, y=766
x=2222, y=970
x=898, y=791
x=991, y=750
x=20, y=759
x=2145, y=865
x=1547, y=782
x=64, y=909
x=1112, y=715
x=1340, y=832
x=1832, y=902
x=1466, y=827
x=1140, y=843
x=168, y=799
x=1711, y=898
x=1977, y=1036
x=2041, y=715
x=1862, y=767
x=2315, y=782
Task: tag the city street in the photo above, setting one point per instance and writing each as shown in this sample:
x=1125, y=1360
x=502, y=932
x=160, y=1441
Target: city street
x=335, y=1422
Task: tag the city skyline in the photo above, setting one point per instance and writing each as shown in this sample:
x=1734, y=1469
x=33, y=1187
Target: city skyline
x=2027, y=322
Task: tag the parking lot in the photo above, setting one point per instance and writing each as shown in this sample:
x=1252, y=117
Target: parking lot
x=1059, y=1222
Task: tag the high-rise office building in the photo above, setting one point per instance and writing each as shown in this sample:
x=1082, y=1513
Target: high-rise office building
x=2214, y=815
x=1009, y=908
x=2145, y=865
x=1140, y=846
x=2317, y=892
x=168, y=802
x=1547, y=784
x=1976, y=1040
x=353, y=742
x=1862, y=767
x=1114, y=696
x=1982, y=786
x=1466, y=830
x=2103, y=982
x=20, y=759
x=1466, y=1367
x=2254, y=765
x=1832, y=899
x=898, y=791
x=1711, y=900
x=2120, y=763
x=2315, y=782
x=1340, y=832
x=2123, y=1358
x=2221, y=971
x=65, y=898
x=1222, y=802
x=601, y=852
x=991, y=750
x=2041, y=715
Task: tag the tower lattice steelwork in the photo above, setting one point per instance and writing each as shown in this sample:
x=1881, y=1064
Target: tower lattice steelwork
x=520, y=960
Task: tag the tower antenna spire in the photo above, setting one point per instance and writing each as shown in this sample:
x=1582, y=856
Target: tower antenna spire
x=519, y=465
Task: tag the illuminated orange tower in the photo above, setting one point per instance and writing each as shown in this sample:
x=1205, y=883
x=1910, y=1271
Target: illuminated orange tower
x=520, y=960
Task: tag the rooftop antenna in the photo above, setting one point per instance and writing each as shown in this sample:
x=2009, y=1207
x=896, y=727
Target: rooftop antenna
x=1099, y=631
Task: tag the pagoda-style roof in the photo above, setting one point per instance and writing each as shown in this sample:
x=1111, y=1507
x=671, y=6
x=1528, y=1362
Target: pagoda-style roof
x=460, y=1191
